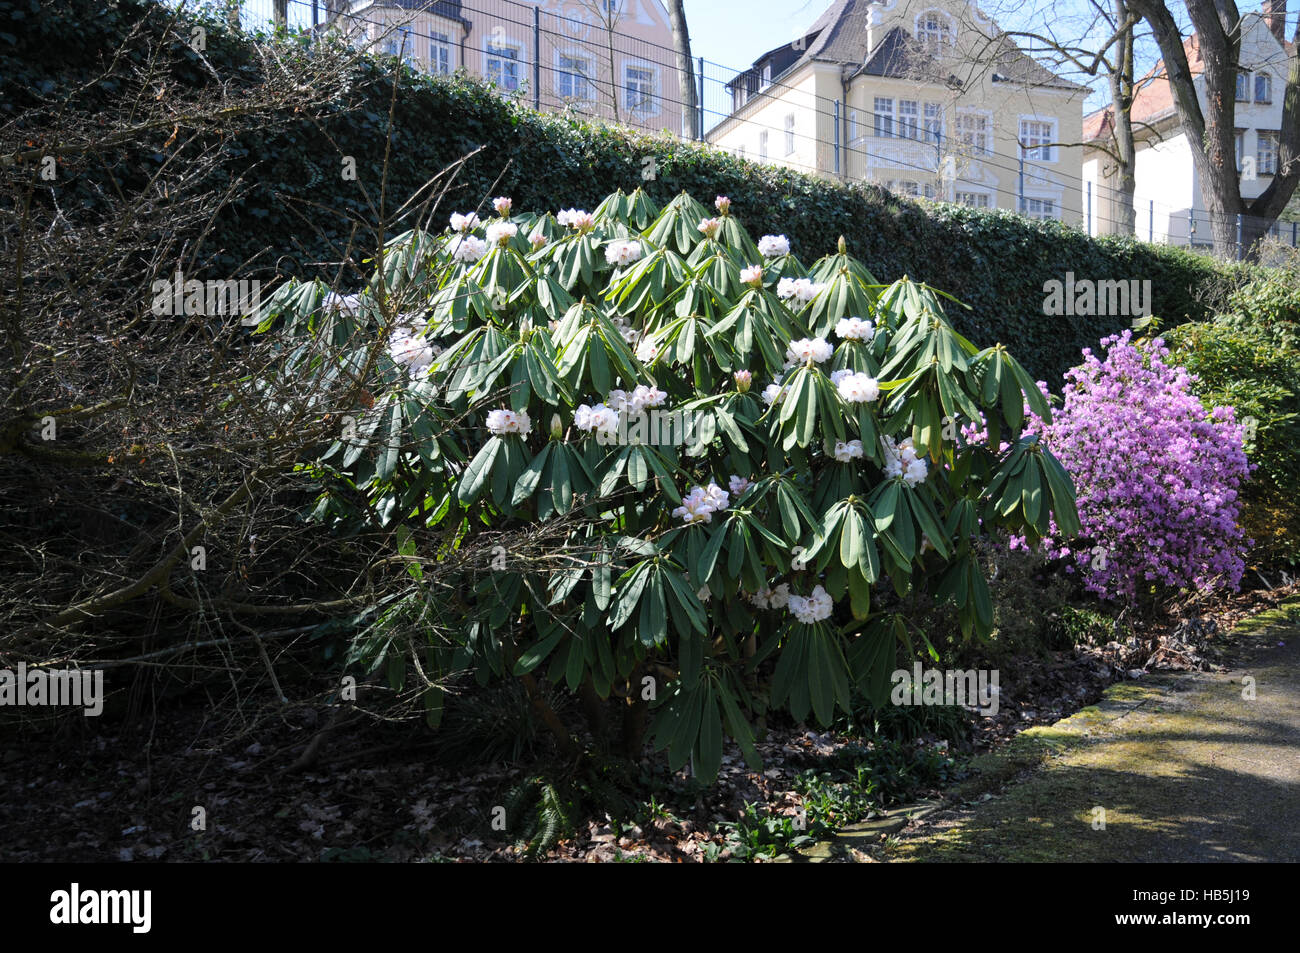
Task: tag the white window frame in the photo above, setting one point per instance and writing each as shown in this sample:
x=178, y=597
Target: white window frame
x=932, y=122
x=762, y=144
x=789, y=134
x=492, y=52
x=961, y=134
x=587, y=80
x=853, y=126
x=649, y=105
x=947, y=32
x=1041, y=153
x=1267, y=80
x=977, y=194
x=909, y=120
x=441, y=43
x=1266, y=162
x=908, y=188
x=1040, y=215
x=885, y=129
x=1239, y=137
x=1243, y=86
x=765, y=77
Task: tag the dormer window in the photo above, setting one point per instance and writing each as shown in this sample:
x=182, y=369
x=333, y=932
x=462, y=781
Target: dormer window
x=933, y=30
x=765, y=77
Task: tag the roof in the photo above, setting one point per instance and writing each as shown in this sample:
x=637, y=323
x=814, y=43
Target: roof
x=1153, y=99
x=451, y=9
x=840, y=35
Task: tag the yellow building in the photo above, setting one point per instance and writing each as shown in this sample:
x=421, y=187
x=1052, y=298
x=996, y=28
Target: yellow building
x=925, y=97
x=606, y=59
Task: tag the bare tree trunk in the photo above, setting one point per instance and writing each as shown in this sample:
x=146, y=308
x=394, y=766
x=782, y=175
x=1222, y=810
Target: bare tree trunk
x=685, y=67
x=1121, y=94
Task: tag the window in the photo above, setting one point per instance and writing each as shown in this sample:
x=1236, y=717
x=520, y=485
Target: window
x=1243, y=87
x=908, y=127
x=789, y=134
x=853, y=125
x=765, y=78
x=1043, y=209
x=974, y=131
x=904, y=187
x=737, y=97
x=1266, y=142
x=933, y=122
x=973, y=199
x=884, y=116
x=1036, y=138
x=440, y=53
x=571, y=78
x=762, y=144
x=932, y=30
x=400, y=44
x=1263, y=88
x=503, y=66
x=639, y=84
x=1241, y=147
x=610, y=7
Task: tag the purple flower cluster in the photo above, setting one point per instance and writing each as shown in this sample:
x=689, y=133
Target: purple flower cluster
x=1157, y=480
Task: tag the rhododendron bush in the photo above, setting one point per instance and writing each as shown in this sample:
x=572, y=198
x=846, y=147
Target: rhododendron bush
x=1157, y=477
x=753, y=460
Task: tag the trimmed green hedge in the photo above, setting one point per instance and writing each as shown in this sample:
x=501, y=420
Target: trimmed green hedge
x=995, y=261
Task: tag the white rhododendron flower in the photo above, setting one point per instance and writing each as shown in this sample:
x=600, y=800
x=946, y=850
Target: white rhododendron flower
x=773, y=394
x=901, y=461
x=502, y=422
x=647, y=350
x=576, y=218
x=344, y=304
x=802, y=290
x=643, y=397
x=502, y=204
x=779, y=597
x=737, y=484
x=773, y=246
x=722, y=204
x=844, y=452
x=622, y=253
x=463, y=223
x=537, y=239
x=858, y=388
x=812, y=608
x=498, y=233
x=468, y=248
x=855, y=329
x=753, y=275
x=598, y=418
x=710, y=227
x=407, y=346
x=809, y=349
x=703, y=594
x=701, y=503
x=743, y=379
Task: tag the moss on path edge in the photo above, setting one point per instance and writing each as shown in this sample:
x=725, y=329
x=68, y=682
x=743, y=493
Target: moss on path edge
x=1172, y=767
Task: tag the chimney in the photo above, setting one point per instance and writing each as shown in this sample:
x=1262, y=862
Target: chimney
x=1274, y=12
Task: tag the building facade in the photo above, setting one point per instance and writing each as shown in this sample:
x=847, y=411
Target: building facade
x=1169, y=205
x=605, y=59
x=925, y=97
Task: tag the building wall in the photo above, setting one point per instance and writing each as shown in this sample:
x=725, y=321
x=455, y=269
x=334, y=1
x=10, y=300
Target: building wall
x=943, y=170
x=1169, y=201
x=636, y=36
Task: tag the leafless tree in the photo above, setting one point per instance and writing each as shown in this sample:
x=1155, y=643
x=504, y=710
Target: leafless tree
x=1209, y=123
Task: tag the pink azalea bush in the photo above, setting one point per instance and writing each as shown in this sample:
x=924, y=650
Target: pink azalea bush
x=1157, y=479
